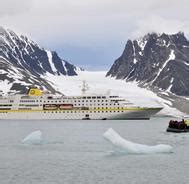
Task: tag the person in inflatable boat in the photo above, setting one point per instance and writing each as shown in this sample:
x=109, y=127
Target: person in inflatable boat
x=186, y=122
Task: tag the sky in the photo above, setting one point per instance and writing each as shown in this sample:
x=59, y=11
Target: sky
x=92, y=33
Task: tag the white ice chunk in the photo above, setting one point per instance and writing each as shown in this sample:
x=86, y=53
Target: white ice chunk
x=33, y=138
x=125, y=146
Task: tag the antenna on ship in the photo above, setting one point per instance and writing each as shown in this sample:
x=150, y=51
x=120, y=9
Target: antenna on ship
x=84, y=87
x=108, y=92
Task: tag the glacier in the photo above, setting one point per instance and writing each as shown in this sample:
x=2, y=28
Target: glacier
x=33, y=138
x=100, y=84
x=127, y=147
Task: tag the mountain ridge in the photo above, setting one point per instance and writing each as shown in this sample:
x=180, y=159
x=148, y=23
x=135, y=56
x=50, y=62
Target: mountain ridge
x=157, y=61
x=25, y=63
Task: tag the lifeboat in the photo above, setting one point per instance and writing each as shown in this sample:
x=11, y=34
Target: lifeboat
x=66, y=106
x=50, y=107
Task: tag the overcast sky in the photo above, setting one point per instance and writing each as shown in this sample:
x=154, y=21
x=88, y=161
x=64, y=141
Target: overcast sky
x=92, y=33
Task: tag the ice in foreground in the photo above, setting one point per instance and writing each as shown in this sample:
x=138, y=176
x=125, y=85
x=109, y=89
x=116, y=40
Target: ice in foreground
x=33, y=138
x=125, y=146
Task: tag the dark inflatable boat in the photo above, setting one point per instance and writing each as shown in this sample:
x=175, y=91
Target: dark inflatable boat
x=178, y=126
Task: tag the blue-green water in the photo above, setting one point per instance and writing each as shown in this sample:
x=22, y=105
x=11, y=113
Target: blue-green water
x=76, y=152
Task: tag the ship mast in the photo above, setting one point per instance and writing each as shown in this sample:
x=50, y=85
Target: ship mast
x=84, y=88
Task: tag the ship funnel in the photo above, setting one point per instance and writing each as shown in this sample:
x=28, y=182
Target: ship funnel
x=35, y=92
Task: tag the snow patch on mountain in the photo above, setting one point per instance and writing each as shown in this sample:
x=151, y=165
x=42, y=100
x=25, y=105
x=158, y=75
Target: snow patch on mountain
x=142, y=43
x=186, y=63
x=171, y=57
x=134, y=61
x=5, y=86
x=49, y=54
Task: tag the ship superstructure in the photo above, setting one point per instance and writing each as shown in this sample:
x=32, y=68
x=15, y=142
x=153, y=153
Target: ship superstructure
x=39, y=105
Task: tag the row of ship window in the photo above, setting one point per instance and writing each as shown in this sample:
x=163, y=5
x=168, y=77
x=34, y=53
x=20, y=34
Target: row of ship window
x=91, y=104
x=91, y=101
x=107, y=107
x=74, y=104
x=81, y=111
x=86, y=97
x=29, y=101
x=93, y=97
x=72, y=111
x=30, y=105
x=5, y=105
x=94, y=108
x=78, y=101
x=100, y=105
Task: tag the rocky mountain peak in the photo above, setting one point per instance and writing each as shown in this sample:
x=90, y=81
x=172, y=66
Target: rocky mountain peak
x=21, y=57
x=156, y=60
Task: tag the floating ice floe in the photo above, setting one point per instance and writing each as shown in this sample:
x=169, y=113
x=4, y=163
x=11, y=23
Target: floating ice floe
x=128, y=147
x=33, y=138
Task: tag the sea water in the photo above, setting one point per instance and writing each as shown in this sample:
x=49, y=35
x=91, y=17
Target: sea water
x=76, y=152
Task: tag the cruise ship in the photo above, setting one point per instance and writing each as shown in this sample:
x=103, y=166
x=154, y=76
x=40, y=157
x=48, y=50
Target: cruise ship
x=37, y=104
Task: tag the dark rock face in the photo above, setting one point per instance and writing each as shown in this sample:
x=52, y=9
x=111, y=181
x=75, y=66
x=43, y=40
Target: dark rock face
x=23, y=62
x=156, y=61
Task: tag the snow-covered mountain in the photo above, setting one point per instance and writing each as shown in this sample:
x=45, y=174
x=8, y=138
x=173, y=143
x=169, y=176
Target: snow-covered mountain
x=157, y=61
x=24, y=63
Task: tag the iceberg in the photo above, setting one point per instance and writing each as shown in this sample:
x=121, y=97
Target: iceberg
x=33, y=138
x=124, y=146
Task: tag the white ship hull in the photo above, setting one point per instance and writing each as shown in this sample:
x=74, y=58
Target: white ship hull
x=82, y=115
x=37, y=105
